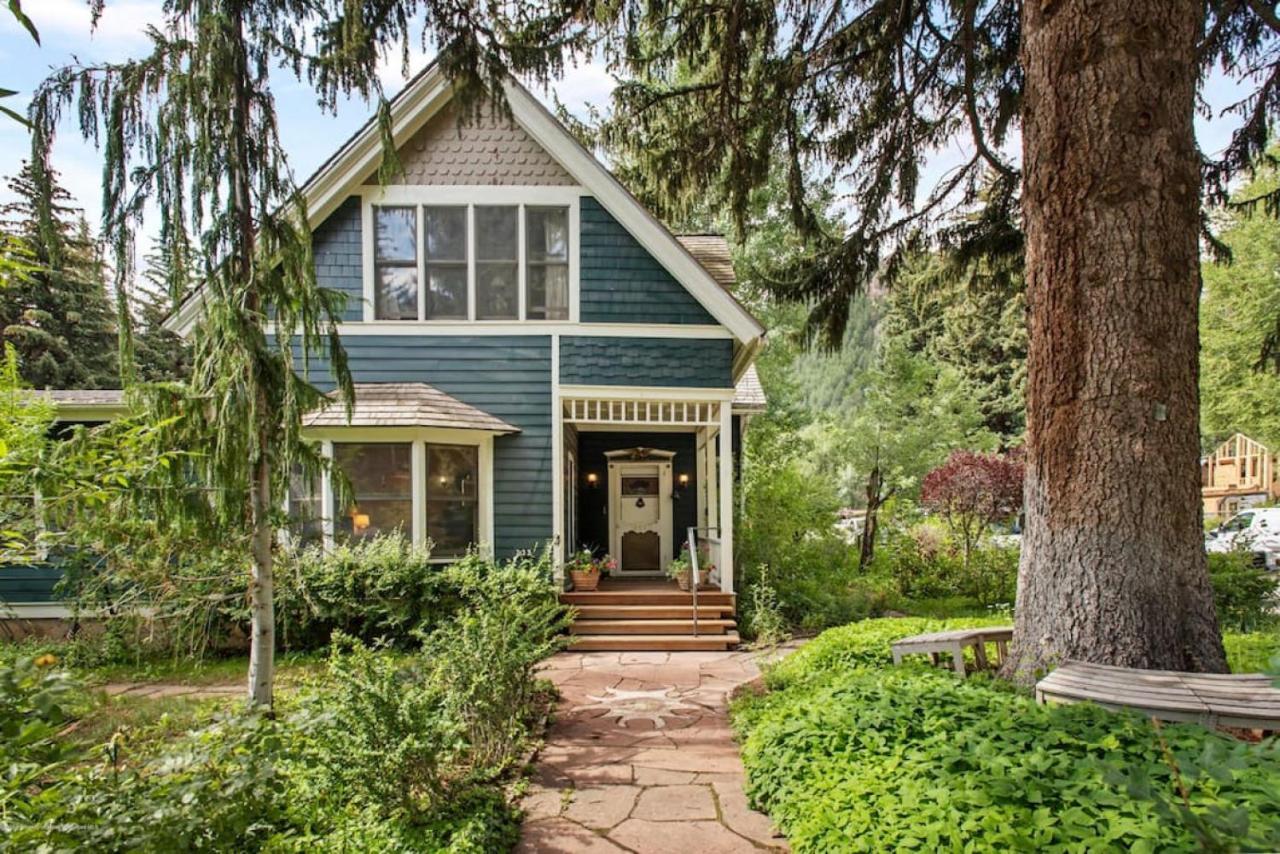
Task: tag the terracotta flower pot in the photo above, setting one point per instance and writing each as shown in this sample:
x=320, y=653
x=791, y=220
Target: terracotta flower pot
x=584, y=582
x=683, y=578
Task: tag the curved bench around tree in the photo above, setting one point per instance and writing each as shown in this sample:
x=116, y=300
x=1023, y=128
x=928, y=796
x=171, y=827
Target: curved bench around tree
x=1243, y=700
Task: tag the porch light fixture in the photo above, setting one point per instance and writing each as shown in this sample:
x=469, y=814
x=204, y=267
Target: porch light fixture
x=359, y=522
x=682, y=483
x=593, y=479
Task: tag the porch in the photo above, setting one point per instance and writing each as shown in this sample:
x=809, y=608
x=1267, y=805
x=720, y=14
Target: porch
x=651, y=614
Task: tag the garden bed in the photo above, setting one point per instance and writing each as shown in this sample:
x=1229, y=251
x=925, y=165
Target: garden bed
x=847, y=753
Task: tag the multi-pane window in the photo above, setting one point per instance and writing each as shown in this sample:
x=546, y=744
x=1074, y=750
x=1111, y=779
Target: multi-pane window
x=381, y=478
x=395, y=262
x=453, y=474
x=305, y=523
x=497, y=263
x=445, y=233
x=461, y=261
x=546, y=233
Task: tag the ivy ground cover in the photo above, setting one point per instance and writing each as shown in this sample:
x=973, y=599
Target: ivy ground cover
x=848, y=753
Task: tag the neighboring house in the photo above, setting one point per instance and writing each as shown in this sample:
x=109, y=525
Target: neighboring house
x=537, y=358
x=1240, y=473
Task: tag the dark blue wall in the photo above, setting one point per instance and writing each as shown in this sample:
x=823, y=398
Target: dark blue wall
x=20, y=584
x=338, y=247
x=620, y=282
x=682, y=362
x=508, y=376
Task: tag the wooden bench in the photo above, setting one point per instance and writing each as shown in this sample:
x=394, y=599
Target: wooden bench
x=954, y=643
x=1244, y=700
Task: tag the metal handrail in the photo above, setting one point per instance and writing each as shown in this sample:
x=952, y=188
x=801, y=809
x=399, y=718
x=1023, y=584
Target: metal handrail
x=694, y=581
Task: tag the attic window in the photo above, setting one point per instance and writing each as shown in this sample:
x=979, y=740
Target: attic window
x=479, y=254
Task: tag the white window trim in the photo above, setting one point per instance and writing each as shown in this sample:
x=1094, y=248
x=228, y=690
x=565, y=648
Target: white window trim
x=418, y=438
x=469, y=197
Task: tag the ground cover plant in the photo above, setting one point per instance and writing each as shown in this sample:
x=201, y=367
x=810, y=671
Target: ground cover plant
x=847, y=753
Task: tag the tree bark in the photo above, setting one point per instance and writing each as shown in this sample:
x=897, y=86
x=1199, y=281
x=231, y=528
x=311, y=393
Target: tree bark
x=867, y=544
x=262, y=643
x=1113, y=566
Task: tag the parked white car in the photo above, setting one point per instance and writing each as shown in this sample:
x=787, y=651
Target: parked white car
x=1256, y=530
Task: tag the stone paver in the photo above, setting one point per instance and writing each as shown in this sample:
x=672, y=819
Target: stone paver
x=641, y=758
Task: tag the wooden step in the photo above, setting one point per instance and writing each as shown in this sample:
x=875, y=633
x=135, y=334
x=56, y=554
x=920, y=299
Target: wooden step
x=653, y=643
x=652, y=612
x=655, y=597
x=650, y=627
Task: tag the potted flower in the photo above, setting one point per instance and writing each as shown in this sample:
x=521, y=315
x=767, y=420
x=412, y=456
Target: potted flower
x=585, y=570
x=681, y=568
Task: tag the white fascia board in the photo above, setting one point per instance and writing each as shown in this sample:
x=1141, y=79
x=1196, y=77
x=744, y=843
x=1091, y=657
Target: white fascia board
x=548, y=132
x=637, y=392
x=526, y=327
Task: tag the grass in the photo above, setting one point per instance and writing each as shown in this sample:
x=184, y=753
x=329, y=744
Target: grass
x=145, y=719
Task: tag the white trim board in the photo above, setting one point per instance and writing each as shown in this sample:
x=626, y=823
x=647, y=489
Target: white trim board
x=528, y=327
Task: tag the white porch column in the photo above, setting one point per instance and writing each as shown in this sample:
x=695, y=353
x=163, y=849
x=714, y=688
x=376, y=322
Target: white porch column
x=557, y=460
x=418, y=476
x=327, y=510
x=726, y=497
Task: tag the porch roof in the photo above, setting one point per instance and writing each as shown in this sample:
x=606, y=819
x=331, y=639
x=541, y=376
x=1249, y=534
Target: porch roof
x=407, y=405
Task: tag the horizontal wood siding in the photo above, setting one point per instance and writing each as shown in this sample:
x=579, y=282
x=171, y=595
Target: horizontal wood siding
x=337, y=246
x=621, y=282
x=506, y=376
x=26, y=584
x=682, y=362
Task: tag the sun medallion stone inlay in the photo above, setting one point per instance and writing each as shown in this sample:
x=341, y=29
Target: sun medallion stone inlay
x=626, y=706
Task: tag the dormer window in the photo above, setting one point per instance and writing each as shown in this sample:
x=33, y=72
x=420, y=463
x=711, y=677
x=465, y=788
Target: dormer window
x=467, y=254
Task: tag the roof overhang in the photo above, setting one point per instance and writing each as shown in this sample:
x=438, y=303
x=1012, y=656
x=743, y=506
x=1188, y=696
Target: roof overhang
x=86, y=404
x=406, y=405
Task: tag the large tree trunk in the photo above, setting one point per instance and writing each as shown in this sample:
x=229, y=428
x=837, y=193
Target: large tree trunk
x=1113, y=566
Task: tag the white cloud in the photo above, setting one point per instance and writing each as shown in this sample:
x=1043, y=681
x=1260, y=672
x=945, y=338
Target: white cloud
x=121, y=28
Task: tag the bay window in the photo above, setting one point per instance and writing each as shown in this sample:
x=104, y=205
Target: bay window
x=462, y=259
x=453, y=474
x=381, y=478
x=421, y=489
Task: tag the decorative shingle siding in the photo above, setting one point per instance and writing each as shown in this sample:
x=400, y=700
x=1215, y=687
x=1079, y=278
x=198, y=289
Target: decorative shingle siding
x=682, y=362
x=621, y=282
x=506, y=376
x=337, y=246
x=490, y=150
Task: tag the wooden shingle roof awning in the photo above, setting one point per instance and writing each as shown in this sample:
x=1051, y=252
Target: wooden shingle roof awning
x=712, y=252
x=748, y=394
x=407, y=405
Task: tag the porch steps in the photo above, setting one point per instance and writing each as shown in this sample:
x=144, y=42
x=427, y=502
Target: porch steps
x=651, y=618
x=653, y=643
x=651, y=612
x=650, y=627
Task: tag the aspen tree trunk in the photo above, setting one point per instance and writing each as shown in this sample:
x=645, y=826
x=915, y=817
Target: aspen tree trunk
x=262, y=642
x=1113, y=567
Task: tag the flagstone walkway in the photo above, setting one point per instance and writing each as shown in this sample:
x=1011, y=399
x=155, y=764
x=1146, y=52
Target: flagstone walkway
x=641, y=758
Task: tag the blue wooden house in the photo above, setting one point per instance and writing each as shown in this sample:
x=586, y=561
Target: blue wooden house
x=537, y=360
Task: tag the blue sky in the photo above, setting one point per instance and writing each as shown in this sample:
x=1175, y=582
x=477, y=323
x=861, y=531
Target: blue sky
x=309, y=134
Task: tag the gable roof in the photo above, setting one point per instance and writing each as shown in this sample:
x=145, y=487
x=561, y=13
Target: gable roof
x=407, y=405
x=748, y=393
x=423, y=97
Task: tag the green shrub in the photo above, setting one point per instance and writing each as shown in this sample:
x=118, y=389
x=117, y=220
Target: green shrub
x=35, y=699
x=846, y=754
x=1245, y=594
x=762, y=617
x=483, y=659
x=1253, y=652
x=382, y=587
x=925, y=564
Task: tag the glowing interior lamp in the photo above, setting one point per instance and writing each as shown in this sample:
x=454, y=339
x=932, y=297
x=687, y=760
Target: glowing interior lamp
x=359, y=522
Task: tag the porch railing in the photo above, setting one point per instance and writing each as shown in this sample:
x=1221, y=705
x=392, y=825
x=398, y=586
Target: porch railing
x=695, y=573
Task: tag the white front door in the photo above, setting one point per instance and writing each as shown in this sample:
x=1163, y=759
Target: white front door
x=640, y=516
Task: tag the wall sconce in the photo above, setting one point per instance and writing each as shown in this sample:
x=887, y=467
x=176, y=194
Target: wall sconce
x=593, y=479
x=682, y=483
x=359, y=522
